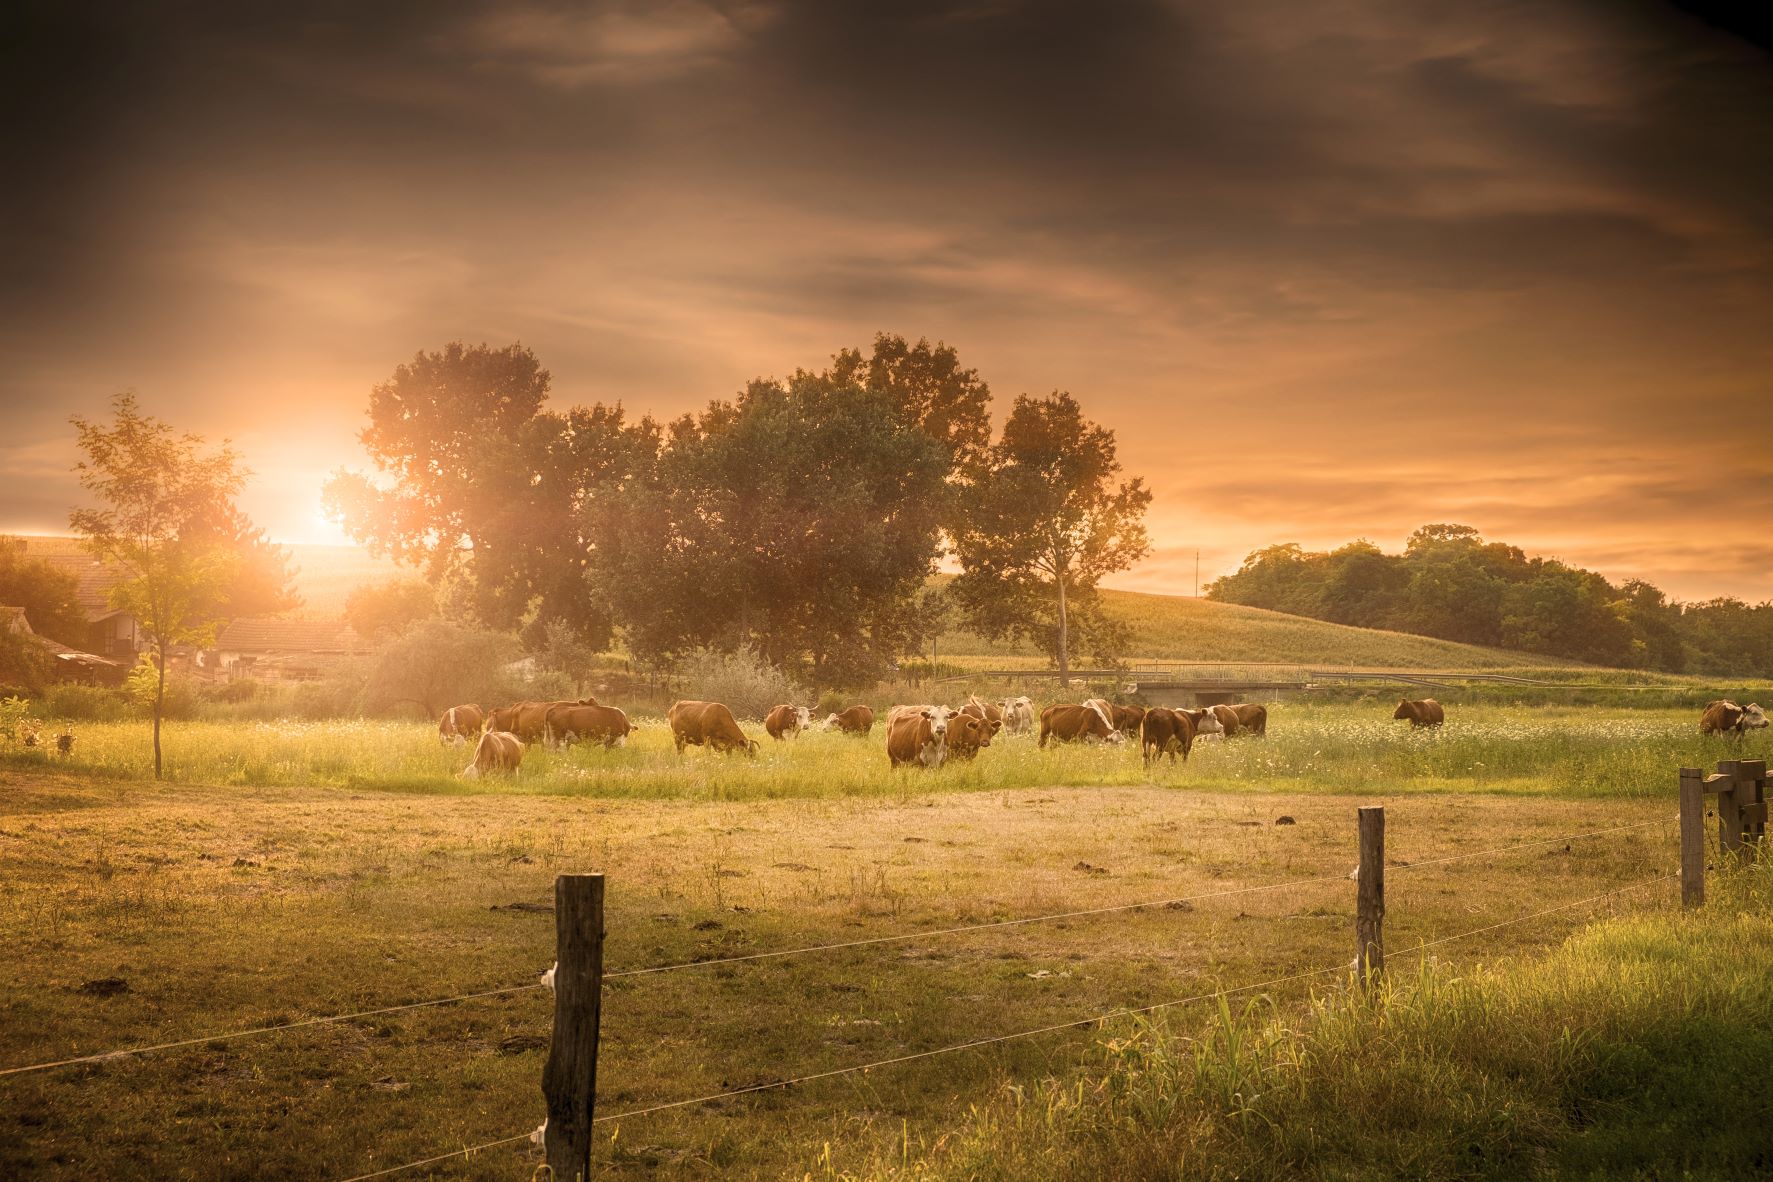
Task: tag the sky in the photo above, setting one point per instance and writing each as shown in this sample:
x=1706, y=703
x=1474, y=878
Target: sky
x=1328, y=271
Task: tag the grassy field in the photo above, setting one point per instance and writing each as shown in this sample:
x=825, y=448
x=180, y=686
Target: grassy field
x=1342, y=748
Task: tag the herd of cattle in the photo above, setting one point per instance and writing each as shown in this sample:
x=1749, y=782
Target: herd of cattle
x=922, y=735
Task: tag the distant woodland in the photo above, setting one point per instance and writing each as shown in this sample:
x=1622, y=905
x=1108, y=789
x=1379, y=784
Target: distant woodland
x=1452, y=584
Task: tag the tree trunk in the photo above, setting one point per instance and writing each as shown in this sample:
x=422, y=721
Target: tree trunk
x=1064, y=638
x=159, y=704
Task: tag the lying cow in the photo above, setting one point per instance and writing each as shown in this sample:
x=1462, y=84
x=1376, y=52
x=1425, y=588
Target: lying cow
x=497, y=751
x=459, y=724
x=1252, y=718
x=595, y=724
x=916, y=736
x=966, y=734
x=1164, y=732
x=856, y=720
x=707, y=724
x=1075, y=723
x=1724, y=717
x=1426, y=712
x=787, y=721
x=528, y=720
x=1018, y=715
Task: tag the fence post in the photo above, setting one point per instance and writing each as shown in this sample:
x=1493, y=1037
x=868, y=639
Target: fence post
x=1692, y=837
x=1751, y=802
x=1369, y=918
x=1729, y=817
x=569, y=1081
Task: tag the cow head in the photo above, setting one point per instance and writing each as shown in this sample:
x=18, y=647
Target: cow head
x=1753, y=717
x=1405, y=709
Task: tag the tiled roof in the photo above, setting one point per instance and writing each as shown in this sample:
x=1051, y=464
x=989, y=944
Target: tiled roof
x=95, y=578
x=274, y=634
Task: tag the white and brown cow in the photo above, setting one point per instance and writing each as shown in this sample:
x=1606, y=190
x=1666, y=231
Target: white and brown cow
x=459, y=724
x=707, y=724
x=497, y=751
x=1080, y=722
x=916, y=736
x=785, y=721
x=1724, y=717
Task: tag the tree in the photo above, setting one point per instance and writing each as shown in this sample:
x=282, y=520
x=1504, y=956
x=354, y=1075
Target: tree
x=48, y=595
x=1043, y=520
x=799, y=520
x=480, y=484
x=168, y=521
x=381, y=610
x=436, y=664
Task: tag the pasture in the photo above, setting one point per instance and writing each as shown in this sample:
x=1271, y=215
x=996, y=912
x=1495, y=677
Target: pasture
x=294, y=871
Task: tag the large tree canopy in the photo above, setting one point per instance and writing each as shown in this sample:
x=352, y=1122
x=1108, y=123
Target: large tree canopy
x=1043, y=519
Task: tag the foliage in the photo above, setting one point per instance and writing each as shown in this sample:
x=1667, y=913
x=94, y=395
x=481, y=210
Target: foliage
x=86, y=703
x=744, y=680
x=800, y=520
x=47, y=593
x=484, y=486
x=380, y=611
x=24, y=661
x=436, y=664
x=1450, y=584
x=16, y=720
x=168, y=521
x=1043, y=521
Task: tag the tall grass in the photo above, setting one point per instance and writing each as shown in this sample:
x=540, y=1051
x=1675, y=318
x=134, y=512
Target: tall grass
x=1637, y=1049
x=1323, y=748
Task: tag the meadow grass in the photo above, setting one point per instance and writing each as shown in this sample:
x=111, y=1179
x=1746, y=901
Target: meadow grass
x=1634, y=1050
x=1339, y=748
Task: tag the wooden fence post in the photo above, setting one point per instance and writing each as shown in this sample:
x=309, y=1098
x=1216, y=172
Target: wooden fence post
x=1751, y=802
x=1692, y=837
x=569, y=1081
x=1729, y=819
x=1369, y=918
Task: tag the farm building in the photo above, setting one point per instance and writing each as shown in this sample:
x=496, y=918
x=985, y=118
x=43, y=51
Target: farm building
x=73, y=665
x=273, y=648
x=111, y=633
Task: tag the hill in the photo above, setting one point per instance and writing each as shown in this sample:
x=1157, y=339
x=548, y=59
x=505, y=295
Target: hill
x=1181, y=628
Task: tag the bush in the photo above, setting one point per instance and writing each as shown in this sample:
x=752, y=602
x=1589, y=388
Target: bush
x=743, y=680
x=87, y=703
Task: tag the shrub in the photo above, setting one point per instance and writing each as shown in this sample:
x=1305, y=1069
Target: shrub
x=743, y=680
x=87, y=703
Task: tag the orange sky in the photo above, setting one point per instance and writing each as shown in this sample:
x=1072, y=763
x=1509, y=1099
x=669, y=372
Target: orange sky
x=1329, y=270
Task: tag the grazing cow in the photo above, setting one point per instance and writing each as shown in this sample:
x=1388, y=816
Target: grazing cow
x=497, y=751
x=1072, y=723
x=1163, y=731
x=1724, y=717
x=1126, y=719
x=1018, y=715
x=966, y=734
x=528, y=720
x=787, y=721
x=856, y=720
x=1426, y=712
x=916, y=736
x=459, y=724
x=1205, y=721
x=707, y=724
x=598, y=724
x=1252, y=718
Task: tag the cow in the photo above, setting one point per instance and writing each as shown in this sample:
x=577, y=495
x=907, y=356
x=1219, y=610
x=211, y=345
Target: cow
x=1126, y=719
x=497, y=751
x=966, y=734
x=1205, y=721
x=1724, y=717
x=598, y=724
x=528, y=720
x=917, y=736
x=939, y=713
x=1071, y=723
x=1252, y=718
x=707, y=724
x=1163, y=731
x=1018, y=715
x=459, y=724
x=787, y=721
x=986, y=713
x=855, y=720
x=1426, y=712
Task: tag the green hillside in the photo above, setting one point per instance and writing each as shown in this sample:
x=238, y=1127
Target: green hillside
x=1180, y=628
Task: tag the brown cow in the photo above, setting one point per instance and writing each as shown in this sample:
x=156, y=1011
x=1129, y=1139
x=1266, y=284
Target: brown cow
x=1724, y=717
x=1252, y=718
x=1426, y=712
x=1126, y=719
x=985, y=713
x=966, y=734
x=599, y=724
x=497, y=751
x=528, y=720
x=1164, y=731
x=709, y=724
x=459, y=724
x=856, y=720
x=917, y=737
x=1072, y=723
x=787, y=720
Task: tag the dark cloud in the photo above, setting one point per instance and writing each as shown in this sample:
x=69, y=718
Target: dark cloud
x=1370, y=263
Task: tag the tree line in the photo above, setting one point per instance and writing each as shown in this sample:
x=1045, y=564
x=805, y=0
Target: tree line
x=1450, y=583
x=800, y=519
